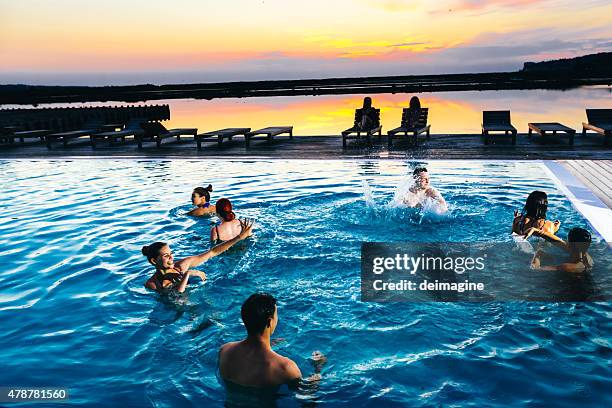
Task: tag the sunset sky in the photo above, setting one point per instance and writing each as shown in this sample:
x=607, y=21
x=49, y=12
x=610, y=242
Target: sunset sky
x=137, y=41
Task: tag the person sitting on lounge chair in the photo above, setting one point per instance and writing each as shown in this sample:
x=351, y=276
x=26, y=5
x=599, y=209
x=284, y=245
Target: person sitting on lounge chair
x=200, y=197
x=414, y=112
x=369, y=119
x=422, y=191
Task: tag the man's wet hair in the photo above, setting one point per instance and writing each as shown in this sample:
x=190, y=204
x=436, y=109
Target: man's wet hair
x=418, y=171
x=256, y=311
x=579, y=235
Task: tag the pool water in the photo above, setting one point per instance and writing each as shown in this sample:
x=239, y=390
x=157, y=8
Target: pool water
x=75, y=313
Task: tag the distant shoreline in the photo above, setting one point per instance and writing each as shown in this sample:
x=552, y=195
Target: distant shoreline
x=32, y=95
x=593, y=69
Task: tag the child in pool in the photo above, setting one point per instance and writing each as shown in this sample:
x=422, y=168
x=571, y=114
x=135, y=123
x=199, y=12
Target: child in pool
x=577, y=245
x=533, y=215
x=200, y=197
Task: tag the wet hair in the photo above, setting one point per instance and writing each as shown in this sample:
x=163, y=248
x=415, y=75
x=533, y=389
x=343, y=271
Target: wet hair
x=152, y=251
x=580, y=239
x=204, y=192
x=367, y=102
x=224, y=209
x=256, y=311
x=536, y=205
x=418, y=171
x=415, y=103
x=579, y=235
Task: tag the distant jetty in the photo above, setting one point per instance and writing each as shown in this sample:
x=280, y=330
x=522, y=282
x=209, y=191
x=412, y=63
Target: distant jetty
x=595, y=69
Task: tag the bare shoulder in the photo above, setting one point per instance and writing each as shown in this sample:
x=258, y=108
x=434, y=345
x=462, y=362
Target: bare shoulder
x=290, y=369
x=227, y=347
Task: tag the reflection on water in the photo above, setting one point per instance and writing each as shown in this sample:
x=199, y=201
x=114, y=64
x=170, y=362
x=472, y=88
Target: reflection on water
x=449, y=112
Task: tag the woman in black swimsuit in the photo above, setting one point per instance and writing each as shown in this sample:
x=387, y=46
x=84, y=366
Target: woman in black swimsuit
x=170, y=275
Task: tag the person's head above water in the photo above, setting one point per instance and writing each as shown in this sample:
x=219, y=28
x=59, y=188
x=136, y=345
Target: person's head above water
x=415, y=103
x=367, y=102
x=224, y=209
x=536, y=205
x=159, y=255
x=258, y=313
x=200, y=195
x=579, y=238
x=421, y=177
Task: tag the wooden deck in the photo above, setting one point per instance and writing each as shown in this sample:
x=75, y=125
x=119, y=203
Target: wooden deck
x=594, y=174
x=440, y=146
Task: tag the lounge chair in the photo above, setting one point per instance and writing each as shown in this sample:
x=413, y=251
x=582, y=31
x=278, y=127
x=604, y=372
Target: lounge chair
x=131, y=129
x=155, y=131
x=220, y=134
x=356, y=129
x=599, y=121
x=9, y=133
x=497, y=121
x=420, y=127
x=268, y=133
x=89, y=128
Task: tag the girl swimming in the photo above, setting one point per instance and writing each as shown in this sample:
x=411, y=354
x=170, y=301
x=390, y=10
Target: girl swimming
x=170, y=275
x=533, y=215
x=200, y=197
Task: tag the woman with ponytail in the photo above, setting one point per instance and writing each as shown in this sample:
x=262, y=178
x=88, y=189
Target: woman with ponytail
x=533, y=215
x=577, y=245
x=200, y=197
x=170, y=275
x=229, y=226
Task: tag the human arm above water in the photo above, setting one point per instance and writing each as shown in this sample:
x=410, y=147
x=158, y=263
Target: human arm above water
x=548, y=236
x=192, y=261
x=571, y=267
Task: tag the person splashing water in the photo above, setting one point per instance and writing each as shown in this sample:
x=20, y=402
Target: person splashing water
x=422, y=195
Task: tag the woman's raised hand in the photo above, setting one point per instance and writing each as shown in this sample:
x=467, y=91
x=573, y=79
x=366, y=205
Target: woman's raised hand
x=246, y=225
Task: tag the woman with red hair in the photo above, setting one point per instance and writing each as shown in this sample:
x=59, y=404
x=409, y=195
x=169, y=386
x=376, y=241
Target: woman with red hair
x=229, y=226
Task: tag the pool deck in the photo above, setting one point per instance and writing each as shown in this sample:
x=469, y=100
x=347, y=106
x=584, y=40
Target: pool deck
x=596, y=175
x=440, y=146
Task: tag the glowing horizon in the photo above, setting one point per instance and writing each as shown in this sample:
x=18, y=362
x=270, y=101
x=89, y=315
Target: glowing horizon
x=118, y=42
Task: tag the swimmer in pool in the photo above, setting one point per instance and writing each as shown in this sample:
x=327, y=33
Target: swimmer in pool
x=200, y=197
x=422, y=190
x=533, y=215
x=577, y=245
x=229, y=226
x=252, y=362
x=170, y=275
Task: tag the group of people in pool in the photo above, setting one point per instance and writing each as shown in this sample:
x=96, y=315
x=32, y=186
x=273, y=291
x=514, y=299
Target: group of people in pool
x=532, y=221
x=250, y=362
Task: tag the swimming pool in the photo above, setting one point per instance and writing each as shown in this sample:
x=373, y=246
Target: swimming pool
x=75, y=313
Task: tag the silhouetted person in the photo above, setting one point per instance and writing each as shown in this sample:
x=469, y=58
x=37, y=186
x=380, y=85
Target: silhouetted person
x=369, y=118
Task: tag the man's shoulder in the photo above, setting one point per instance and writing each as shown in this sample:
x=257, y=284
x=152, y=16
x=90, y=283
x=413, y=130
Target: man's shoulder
x=289, y=368
x=228, y=347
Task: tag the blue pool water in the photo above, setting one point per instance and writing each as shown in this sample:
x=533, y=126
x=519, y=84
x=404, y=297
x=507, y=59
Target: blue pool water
x=75, y=314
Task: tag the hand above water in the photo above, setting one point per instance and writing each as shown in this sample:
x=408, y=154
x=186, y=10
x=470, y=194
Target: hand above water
x=246, y=225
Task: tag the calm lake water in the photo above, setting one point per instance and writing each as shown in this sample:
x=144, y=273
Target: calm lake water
x=449, y=112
